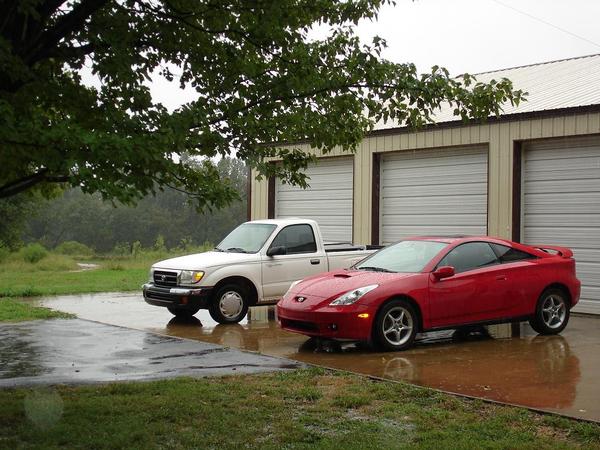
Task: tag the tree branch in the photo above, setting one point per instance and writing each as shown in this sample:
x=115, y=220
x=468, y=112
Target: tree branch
x=64, y=26
x=24, y=183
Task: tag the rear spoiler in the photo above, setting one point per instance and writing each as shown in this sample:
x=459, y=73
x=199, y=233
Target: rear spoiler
x=561, y=251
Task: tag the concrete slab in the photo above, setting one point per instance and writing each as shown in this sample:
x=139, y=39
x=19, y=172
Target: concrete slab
x=549, y=373
x=79, y=351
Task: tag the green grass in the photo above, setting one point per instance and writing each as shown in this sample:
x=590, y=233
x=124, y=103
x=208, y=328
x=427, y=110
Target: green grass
x=12, y=311
x=274, y=411
x=58, y=274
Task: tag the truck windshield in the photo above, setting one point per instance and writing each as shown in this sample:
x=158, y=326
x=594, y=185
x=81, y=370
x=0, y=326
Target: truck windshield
x=405, y=256
x=247, y=238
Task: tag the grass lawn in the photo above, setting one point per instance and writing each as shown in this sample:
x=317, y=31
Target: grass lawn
x=11, y=311
x=302, y=409
x=59, y=274
x=104, y=279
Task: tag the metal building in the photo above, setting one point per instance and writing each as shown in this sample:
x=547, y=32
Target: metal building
x=531, y=175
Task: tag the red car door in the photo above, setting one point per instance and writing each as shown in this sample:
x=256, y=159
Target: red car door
x=477, y=292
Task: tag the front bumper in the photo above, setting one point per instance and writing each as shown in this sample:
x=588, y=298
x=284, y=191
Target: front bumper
x=329, y=322
x=190, y=299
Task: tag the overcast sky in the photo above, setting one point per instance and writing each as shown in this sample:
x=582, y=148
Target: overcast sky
x=471, y=35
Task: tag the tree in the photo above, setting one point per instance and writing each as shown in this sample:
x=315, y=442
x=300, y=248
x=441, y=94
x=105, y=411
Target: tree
x=258, y=80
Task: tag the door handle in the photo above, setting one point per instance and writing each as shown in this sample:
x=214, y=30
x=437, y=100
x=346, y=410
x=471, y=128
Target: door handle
x=273, y=264
x=314, y=262
x=501, y=278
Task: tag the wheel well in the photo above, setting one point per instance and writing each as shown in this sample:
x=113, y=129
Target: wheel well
x=248, y=285
x=410, y=301
x=562, y=287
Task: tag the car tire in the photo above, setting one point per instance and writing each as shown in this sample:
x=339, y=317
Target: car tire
x=395, y=326
x=229, y=304
x=182, y=313
x=551, y=312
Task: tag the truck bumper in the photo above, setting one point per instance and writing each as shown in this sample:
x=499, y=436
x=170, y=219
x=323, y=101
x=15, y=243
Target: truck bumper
x=187, y=299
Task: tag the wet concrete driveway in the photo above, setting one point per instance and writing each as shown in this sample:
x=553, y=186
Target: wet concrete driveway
x=554, y=373
x=79, y=351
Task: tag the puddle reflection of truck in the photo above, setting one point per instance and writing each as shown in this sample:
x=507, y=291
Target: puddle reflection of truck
x=255, y=264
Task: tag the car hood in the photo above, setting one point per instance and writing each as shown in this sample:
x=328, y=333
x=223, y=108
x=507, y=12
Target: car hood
x=338, y=282
x=200, y=261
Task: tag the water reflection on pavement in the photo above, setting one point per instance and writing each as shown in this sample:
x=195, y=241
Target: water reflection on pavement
x=552, y=373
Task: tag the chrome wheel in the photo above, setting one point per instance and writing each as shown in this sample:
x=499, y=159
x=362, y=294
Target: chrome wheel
x=397, y=325
x=231, y=304
x=554, y=311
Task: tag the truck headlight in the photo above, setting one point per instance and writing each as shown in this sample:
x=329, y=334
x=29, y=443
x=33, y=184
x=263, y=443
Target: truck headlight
x=353, y=296
x=190, y=276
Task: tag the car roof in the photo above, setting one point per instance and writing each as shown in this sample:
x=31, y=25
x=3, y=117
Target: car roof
x=458, y=238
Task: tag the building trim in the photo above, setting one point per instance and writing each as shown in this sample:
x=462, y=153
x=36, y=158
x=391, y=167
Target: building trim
x=249, y=194
x=516, y=190
x=271, y=198
x=375, y=198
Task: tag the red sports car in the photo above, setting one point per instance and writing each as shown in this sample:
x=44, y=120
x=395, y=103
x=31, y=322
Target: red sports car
x=430, y=283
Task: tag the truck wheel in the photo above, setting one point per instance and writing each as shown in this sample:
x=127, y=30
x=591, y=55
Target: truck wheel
x=183, y=313
x=229, y=305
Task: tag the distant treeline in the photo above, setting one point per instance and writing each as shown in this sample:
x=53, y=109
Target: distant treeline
x=165, y=220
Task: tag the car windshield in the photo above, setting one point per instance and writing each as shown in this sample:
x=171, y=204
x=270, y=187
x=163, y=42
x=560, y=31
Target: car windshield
x=247, y=238
x=405, y=256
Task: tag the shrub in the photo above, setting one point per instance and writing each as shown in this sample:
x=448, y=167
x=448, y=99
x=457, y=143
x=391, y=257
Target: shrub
x=159, y=244
x=74, y=248
x=33, y=253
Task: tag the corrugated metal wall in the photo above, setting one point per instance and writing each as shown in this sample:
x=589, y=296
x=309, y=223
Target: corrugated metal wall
x=498, y=136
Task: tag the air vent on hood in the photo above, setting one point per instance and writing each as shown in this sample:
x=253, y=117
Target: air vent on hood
x=342, y=275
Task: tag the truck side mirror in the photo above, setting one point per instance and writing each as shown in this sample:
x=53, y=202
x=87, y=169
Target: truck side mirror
x=443, y=272
x=275, y=251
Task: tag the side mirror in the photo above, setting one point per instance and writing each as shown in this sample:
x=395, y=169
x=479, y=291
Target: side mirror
x=443, y=272
x=275, y=251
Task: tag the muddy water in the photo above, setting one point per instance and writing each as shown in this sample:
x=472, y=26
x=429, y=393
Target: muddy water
x=554, y=373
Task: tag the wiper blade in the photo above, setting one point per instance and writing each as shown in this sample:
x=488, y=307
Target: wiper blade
x=375, y=269
x=217, y=249
x=237, y=250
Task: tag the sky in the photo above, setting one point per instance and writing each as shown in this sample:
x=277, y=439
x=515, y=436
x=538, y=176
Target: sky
x=470, y=35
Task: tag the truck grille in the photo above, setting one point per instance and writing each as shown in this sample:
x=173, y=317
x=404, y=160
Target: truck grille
x=164, y=278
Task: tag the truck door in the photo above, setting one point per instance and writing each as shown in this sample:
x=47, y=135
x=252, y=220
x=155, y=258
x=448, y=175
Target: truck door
x=302, y=258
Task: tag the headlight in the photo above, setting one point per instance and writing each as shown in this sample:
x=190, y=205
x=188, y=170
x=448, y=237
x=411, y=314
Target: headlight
x=151, y=274
x=353, y=296
x=190, y=277
x=294, y=283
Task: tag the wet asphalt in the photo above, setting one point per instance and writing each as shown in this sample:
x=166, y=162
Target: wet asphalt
x=79, y=351
x=549, y=373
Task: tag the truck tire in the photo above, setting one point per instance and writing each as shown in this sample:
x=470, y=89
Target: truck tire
x=182, y=313
x=229, y=304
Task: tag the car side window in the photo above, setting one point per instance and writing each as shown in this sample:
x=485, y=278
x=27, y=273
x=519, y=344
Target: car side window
x=508, y=254
x=469, y=256
x=296, y=239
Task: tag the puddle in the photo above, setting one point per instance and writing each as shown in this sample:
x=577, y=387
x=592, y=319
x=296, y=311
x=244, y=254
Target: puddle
x=553, y=373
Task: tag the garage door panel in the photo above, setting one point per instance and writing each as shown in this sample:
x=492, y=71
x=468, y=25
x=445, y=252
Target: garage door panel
x=574, y=185
x=557, y=219
x=406, y=189
x=448, y=205
x=448, y=219
x=561, y=206
x=328, y=199
x=433, y=192
x=396, y=233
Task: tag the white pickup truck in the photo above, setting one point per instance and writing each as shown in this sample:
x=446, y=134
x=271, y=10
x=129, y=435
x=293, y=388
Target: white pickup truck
x=254, y=264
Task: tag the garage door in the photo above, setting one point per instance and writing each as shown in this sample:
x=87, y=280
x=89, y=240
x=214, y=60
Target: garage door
x=328, y=200
x=561, y=206
x=430, y=192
